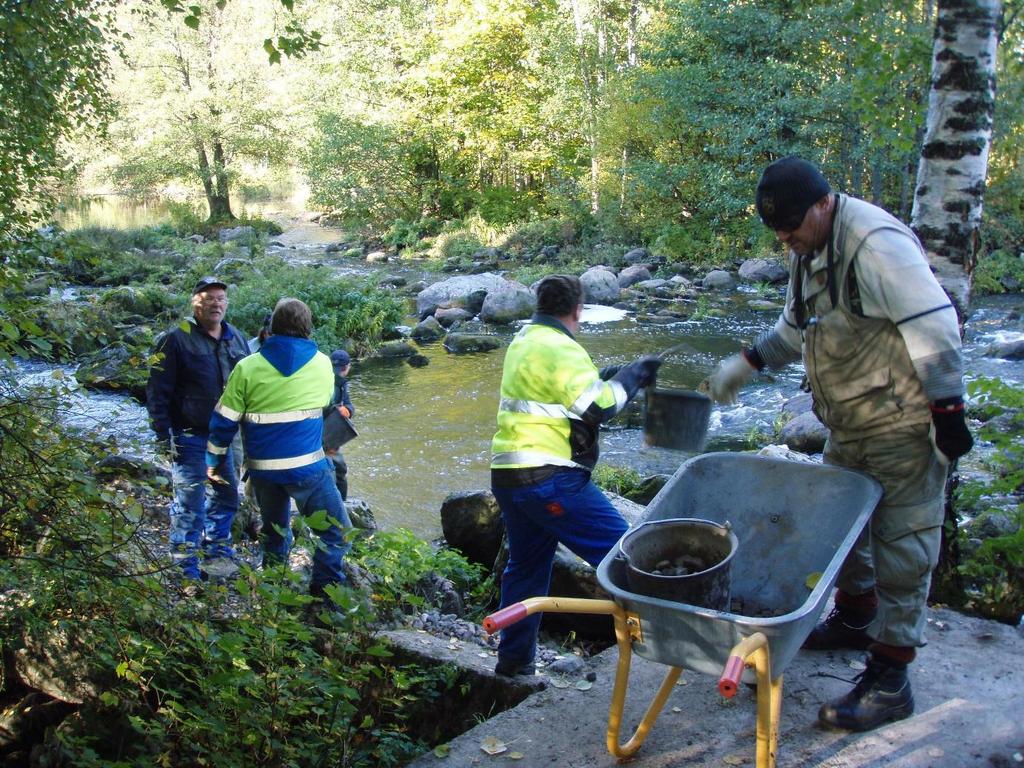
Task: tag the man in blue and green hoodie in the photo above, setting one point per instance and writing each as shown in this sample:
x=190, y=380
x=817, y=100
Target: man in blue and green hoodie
x=277, y=396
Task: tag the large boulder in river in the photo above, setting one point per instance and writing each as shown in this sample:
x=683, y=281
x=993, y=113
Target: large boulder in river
x=243, y=234
x=400, y=348
x=1007, y=350
x=460, y=343
x=451, y=316
x=718, y=279
x=471, y=523
x=116, y=368
x=637, y=256
x=462, y=291
x=600, y=286
x=634, y=274
x=763, y=271
x=504, y=307
x=428, y=329
x=805, y=433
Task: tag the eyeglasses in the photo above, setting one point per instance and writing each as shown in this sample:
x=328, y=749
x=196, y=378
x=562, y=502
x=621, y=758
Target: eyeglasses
x=788, y=225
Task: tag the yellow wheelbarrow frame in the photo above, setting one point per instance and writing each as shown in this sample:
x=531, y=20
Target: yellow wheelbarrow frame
x=751, y=651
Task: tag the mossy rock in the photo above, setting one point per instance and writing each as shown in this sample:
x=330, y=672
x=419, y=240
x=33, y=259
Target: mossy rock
x=116, y=368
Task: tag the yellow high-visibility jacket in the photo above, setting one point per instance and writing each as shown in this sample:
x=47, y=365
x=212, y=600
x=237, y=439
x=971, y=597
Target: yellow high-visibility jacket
x=552, y=401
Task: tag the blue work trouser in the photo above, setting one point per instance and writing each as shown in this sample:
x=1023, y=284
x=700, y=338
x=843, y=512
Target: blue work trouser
x=566, y=508
x=195, y=521
x=314, y=493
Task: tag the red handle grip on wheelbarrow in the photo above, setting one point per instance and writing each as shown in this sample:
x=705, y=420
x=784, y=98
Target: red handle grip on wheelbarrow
x=504, y=617
x=729, y=682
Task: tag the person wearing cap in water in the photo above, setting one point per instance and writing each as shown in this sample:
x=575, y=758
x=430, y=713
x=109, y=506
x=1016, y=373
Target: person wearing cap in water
x=194, y=360
x=880, y=344
x=341, y=361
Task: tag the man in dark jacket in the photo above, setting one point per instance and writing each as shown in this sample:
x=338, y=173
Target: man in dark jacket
x=195, y=359
x=341, y=361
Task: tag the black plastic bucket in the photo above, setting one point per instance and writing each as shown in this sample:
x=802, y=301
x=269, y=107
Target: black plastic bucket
x=686, y=560
x=338, y=430
x=676, y=419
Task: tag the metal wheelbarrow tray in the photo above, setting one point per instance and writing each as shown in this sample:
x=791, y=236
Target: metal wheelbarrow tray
x=795, y=522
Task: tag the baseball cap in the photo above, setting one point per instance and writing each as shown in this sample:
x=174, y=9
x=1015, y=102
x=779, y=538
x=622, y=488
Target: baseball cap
x=340, y=358
x=208, y=282
x=788, y=187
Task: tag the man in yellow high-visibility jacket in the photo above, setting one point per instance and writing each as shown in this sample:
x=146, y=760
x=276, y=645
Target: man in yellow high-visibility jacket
x=553, y=400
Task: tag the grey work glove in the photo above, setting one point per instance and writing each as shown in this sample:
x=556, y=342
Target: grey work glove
x=732, y=373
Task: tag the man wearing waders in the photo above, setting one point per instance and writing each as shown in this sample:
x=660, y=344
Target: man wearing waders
x=880, y=344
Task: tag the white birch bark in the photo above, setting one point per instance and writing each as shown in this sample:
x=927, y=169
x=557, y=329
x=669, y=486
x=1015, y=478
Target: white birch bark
x=954, y=157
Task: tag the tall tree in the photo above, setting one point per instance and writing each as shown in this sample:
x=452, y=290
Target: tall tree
x=197, y=102
x=53, y=63
x=954, y=158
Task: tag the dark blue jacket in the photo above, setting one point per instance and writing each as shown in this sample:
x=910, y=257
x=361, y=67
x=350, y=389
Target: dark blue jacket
x=341, y=396
x=185, y=384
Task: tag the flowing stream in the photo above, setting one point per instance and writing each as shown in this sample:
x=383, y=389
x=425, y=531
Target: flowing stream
x=425, y=432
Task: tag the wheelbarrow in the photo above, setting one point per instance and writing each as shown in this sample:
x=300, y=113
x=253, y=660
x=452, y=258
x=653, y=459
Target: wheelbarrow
x=795, y=524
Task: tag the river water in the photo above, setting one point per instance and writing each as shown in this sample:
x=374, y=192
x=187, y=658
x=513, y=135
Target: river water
x=425, y=432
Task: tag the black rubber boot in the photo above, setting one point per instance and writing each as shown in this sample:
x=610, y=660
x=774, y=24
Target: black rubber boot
x=882, y=694
x=844, y=628
x=515, y=668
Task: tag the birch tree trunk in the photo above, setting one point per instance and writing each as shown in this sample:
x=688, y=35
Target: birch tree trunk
x=954, y=158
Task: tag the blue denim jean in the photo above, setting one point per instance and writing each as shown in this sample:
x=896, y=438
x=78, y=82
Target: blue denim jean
x=198, y=522
x=315, y=493
x=566, y=508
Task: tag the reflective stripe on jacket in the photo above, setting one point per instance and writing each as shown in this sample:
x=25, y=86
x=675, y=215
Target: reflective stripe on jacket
x=277, y=396
x=552, y=401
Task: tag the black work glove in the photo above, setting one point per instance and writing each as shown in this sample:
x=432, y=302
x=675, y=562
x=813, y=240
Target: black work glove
x=648, y=365
x=638, y=374
x=952, y=438
x=609, y=371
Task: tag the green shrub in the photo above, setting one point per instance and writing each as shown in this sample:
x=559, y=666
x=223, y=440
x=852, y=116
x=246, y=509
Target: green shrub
x=997, y=271
x=346, y=312
x=235, y=676
x=456, y=246
x=398, y=560
x=187, y=218
x=993, y=574
x=534, y=235
x=619, y=480
x=261, y=225
x=502, y=206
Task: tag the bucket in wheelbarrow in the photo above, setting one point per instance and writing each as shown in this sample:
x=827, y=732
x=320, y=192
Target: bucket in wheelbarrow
x=686, y=560
x=676, y=419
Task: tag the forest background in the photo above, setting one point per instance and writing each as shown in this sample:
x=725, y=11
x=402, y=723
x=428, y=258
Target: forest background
x=435, y=129
x=606, y=121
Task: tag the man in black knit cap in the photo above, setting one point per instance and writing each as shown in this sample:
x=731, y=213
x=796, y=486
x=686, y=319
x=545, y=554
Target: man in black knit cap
x=880, y=343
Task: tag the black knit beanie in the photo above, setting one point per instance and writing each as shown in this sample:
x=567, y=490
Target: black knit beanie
x=788, y=187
